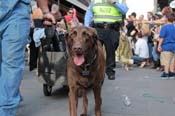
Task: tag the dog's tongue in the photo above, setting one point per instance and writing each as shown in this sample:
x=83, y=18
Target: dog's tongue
x=79, y=60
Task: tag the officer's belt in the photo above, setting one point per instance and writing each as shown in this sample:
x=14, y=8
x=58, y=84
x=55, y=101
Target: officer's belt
x=106, y=25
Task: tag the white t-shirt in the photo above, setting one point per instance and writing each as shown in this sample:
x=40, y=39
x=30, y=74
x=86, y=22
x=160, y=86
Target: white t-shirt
x=141, y=48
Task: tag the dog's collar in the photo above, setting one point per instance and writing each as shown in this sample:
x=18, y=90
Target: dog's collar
x=85, y=72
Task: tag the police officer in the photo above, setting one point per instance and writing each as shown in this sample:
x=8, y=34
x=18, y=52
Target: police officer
x=14, y=31
x=106, y=17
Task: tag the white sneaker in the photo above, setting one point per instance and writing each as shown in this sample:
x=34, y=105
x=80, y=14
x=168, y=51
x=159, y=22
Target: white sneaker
x=131, y=61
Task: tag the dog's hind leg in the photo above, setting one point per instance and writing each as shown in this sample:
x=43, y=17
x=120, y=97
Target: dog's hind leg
x=98, y=100
x=85, y=102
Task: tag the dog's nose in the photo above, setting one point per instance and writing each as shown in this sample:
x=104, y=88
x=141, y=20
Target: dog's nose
x=77, y=47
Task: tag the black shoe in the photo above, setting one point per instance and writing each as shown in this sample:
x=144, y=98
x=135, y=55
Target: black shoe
x=171, y=74
x=111, y=77
x=164, y=75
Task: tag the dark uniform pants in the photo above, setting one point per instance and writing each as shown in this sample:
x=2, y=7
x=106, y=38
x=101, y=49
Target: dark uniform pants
x=110, y=39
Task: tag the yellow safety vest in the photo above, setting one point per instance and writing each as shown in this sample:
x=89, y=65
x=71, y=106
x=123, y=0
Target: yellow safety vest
x=105, y=12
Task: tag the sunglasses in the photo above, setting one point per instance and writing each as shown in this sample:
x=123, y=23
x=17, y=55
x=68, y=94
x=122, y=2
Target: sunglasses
x=70, y=12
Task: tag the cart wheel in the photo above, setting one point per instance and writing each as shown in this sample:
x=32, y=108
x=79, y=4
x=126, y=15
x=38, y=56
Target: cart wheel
x=47, y=90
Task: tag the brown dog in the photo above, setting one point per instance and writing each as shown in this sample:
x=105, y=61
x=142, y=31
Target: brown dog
x=85, y=66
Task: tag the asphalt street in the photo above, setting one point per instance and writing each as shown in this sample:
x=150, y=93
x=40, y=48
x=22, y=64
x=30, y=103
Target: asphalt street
x=148, y=95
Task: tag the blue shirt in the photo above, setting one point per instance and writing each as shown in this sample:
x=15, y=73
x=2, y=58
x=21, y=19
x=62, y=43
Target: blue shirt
x=122, y=7
x=167, y=33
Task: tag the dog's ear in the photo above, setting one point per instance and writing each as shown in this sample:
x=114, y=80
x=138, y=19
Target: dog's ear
x=68, y=33
x=67, y=37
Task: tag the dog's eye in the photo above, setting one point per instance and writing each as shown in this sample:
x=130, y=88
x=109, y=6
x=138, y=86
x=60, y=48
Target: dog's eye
x=86, y=36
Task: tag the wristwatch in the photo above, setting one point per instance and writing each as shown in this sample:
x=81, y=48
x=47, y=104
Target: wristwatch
x=46, y=12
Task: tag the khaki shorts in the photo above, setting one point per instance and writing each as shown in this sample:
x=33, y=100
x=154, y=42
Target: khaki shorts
x=167, y=58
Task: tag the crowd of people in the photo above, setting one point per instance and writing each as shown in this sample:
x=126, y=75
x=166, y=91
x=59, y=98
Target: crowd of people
x=151, y=41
